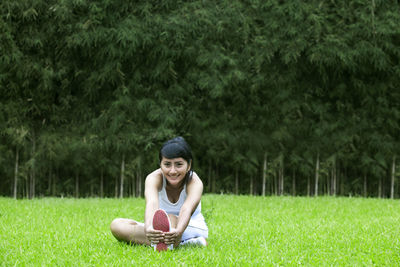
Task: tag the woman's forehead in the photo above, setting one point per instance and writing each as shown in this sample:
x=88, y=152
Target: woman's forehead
x=173, y=160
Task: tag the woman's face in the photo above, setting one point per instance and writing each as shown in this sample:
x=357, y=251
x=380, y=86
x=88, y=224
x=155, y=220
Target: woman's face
x=174, y=170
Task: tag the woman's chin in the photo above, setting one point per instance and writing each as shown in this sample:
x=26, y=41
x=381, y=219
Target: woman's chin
x=174, y=180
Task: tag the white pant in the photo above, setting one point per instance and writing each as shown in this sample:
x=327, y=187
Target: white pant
x=191, y=231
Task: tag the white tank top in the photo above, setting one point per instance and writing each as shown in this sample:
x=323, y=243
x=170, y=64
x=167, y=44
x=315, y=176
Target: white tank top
x=197, y=219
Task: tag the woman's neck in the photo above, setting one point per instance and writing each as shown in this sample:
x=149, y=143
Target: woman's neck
x=171, y=188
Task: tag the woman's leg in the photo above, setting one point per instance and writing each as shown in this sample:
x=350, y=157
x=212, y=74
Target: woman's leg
x=133, y=232
x=174, y=222
x=195, y=236
x=173, y=219
x=129, y=231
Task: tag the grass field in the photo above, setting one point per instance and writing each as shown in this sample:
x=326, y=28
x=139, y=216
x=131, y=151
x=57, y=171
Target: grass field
x=244, y=231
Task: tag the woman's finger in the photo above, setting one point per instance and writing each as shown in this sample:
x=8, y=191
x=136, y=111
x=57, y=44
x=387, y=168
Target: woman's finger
x=168, y=242
x=170, y=239
x=155, y=232
x=156, y=235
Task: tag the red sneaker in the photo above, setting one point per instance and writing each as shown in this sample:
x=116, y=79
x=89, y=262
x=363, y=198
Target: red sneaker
x=161, y=222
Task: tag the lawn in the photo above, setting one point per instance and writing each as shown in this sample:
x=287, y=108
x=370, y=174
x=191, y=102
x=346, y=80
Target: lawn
x=244, y=230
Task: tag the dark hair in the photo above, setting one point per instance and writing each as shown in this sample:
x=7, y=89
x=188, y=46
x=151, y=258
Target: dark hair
x=177, y=148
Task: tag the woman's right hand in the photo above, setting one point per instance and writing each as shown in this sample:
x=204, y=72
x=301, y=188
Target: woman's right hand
x=154, y=236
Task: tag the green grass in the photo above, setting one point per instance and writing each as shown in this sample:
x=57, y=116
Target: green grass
x=244, y=231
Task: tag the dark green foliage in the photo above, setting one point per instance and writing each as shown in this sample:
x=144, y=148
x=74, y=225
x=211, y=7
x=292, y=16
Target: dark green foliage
x=84, y=84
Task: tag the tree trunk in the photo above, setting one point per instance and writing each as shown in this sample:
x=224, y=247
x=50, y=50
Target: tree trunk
x=380, y=188
x=101, y=183
x=116, y=187
x=50, y=181
x=328, y=183
x=294, y=183
x=271, y=185
x=308, y=186
x=316, y=175
x=337, y=177
x=279, y=181
x=237, y=181
x=333, y=187
x=16, y=173
x=139, y=183
x=77, y=185
x=392, y=177
x=342, y=183
x=264, y=179
x=251, y=185
x=55, y=178
x=213, y=185
x=209, y=175
x=281, y=178
x=27, y=181
x=133, y=185
x=365, y=185
x=91, y=188
x=332, y=174
x=121, y=191
x=33, y=181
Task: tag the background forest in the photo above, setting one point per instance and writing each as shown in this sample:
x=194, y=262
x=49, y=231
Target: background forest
x=274, y=97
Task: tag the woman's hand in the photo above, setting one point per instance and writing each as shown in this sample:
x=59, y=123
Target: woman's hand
x=155, y=236
x=173, y=237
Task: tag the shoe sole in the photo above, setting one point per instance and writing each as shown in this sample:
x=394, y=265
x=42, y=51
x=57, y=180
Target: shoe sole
x=161, y=222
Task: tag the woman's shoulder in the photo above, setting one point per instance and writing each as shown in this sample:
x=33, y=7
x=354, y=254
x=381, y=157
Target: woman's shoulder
x=195, y=181
x=155, y=179
x=155, y=173
x=195, y=176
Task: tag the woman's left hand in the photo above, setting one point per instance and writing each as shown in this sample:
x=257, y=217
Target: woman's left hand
x=173, y=237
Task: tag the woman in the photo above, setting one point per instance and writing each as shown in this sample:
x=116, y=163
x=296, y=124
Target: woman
x=175, y=189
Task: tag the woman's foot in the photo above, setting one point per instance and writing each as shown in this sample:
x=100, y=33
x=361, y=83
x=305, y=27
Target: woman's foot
x=195, y=241
x=161, y=222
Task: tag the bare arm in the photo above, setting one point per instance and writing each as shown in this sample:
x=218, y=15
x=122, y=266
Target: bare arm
x=194, y=191
x=152, y=185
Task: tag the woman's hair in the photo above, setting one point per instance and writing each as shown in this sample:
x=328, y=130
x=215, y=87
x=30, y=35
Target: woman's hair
x=178, y=148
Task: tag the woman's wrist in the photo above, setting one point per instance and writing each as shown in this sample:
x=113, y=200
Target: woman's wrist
x=147, y=228
x=179, y=230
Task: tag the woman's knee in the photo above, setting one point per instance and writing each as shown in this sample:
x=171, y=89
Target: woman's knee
x=122, y=229
x=117, y=227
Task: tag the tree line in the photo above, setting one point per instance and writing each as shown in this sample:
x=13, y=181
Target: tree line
x=274, y=97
